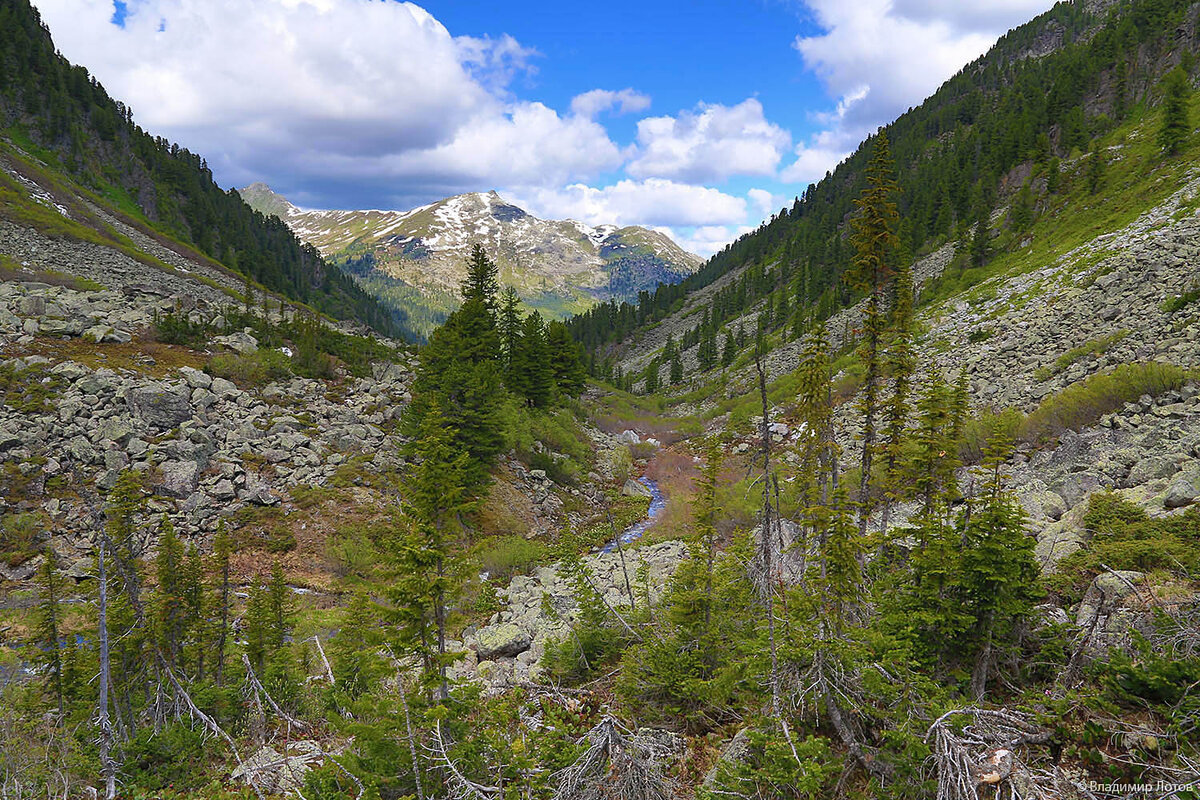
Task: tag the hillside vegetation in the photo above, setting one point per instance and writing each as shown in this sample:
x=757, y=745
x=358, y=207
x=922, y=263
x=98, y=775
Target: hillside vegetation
x=897, y=498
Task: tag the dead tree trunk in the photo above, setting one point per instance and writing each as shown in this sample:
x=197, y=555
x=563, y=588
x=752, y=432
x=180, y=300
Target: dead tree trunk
x=107, y=763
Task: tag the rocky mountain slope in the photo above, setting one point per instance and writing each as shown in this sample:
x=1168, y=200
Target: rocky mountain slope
x=556, y=266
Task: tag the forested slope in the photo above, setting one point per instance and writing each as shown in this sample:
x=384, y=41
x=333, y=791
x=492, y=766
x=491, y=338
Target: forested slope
x=1044, y=93
x=57, y=112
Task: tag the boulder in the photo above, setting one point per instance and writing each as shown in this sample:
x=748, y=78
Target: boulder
x=160, y=407
x=239, y=342
x=501, y=640
x=1180, y=493
x=1110, y=588
x=634, y=488
x=734, y=753
x=177, y=479
x=279, y=773
x=1150, y=469
x=629, y=437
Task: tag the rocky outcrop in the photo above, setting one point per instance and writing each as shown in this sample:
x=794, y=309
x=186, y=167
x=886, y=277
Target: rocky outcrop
x=542, y=606
x=205, y=446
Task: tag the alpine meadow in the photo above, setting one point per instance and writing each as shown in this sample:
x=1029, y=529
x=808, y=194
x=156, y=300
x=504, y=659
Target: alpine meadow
x=460, y=475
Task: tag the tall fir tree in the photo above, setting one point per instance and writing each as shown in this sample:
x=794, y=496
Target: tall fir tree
x=566, y=360
x=1176, y=126
x=508, y=326
x=48, y=633
x=437, y=496
x=533, y=367
x=460, y=373
x=876, y=254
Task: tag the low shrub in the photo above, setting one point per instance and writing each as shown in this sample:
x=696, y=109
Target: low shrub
x=983, y=426
x=1125, y=537
x=19, y=535
x=505, y=556
x=1083, y=403
x=1096, y=347
x=255, y=370
x=171, y=328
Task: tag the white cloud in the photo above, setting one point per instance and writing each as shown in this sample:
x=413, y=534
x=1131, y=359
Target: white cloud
x=699, y=219
x=626, y=101
x=365, y=102
x=710, y=144
x=877, y=58
x=763, y=201
x=707, y=239
x=650, y=202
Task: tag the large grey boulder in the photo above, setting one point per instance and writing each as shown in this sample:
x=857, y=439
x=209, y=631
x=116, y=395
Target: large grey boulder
x=501, y=640
x=160, y=407
x=1107, y=590
x=177, y=478
x=239, y=342
x=1180, y=493
x=634, y=488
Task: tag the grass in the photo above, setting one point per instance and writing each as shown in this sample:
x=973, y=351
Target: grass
x=1181, y=301
x=1095, y=347
x=135, y=356
x=254, y=370
x=31, y=390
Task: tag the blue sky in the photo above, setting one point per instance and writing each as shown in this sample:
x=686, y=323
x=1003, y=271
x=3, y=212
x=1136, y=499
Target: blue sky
x=698, y=117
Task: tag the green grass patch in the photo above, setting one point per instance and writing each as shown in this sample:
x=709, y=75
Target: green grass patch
x=1096, y=347
x=1084, y=402
x=502, y=557
x=254, y=370
x=1181, y=301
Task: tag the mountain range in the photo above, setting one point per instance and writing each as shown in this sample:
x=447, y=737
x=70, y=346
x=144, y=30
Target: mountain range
x=414, y=260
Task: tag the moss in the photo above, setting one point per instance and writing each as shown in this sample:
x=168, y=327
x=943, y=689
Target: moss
x=30, y=390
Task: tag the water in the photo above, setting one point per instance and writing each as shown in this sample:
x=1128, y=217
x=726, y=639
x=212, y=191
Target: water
x=635, y=531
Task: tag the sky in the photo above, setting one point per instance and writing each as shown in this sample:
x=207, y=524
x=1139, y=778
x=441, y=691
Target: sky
x=699, y=118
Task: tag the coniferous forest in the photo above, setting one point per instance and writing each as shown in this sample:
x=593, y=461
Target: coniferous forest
x=897, y=497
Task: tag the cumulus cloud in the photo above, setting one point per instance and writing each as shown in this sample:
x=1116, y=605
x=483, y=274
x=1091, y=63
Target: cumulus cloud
x=652, y=202
x=626, y=101
x=762, y=200
x=877, y=58
x=699, y=219
x=709, y=144
x=328, y=94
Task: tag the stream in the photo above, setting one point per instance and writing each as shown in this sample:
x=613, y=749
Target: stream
x=635, y=531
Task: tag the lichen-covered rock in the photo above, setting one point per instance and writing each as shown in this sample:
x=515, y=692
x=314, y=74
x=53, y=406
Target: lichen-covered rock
x=1179, y=494
x=501, y=640
x=177, y=479
x=159, y=406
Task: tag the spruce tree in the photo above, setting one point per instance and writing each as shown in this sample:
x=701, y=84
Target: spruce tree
x=652, y=376
x=566, y=360
x=876, y=253
x=728, y=351
x=222, y=549
x=999, y=570
x=1176, y=126
x=901, y=363
x=509, y=328
x=170, y=604
x=460, y=371
x=482, y=278
x=48, y=628
x=437, y=494
x=533, y=367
